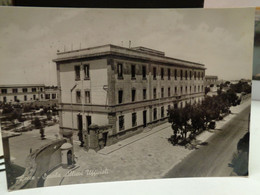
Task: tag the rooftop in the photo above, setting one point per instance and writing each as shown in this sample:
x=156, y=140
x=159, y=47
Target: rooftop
x=21, y=85
x=140, y=53
x=211, y=77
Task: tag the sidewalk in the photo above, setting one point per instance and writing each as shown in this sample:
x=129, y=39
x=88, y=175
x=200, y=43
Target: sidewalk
x=147, y=155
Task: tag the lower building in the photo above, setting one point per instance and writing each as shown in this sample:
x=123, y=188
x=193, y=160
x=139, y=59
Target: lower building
x=21, y=93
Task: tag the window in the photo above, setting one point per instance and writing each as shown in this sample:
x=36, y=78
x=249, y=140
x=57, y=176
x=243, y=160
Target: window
x=77, y=73
x=120, y=96
x=202, y=75
x=181, y=105
x=144, y=72
x=133, y=95
x=133, y=71
x=86, y=71
x=162, y=112
x=199, y=75
x=186, y=89
x=195, y=75
x=25, y=98
x=15, y=90
x=202, y=89
x=33, y=89
x=186, y=75
x=4, y=99
x=154, y=93
x=169, y=92
x=162, y=73
x=41, y=96
x=4, y=91
x=154, y=73
x=175, y=105
x=155, y=114
x=190, y=89
x=87, y=97
x=181, y=89
x=15, y=98
x=144, y=94
x=198, y=88
x=134, y=119
x=25, y=90
x=162, y=92
x=53, y=96
x=181, y=74
x=175, y=74
x=34, y=97
x=120, y=71
x=47, y=96
x=121, y=123
x=190, y=75
x=41, y=89
x=194, y=89
x=175, y=90
x=169, y=74
x=78, y=97
x=168, y=111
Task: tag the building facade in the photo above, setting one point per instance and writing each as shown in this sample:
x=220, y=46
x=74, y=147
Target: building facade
x=211, y=80
x=40, y=95
x=122, y=90
x=21, y=93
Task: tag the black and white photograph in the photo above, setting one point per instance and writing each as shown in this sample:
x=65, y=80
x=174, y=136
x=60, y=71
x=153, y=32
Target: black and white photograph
x=101, y=95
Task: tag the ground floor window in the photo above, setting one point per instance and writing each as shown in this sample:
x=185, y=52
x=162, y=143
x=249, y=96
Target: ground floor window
x=121, y=123
x=162, y=112
x=134, y=120
x=155, y=114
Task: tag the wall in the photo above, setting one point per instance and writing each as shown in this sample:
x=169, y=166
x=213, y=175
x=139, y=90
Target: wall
x=98, y=78
x=96, y=118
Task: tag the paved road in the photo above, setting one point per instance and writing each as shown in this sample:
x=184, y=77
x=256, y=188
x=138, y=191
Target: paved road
x=20, y=146
x=213, y=159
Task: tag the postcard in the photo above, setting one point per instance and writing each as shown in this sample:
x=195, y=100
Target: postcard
x=98, y=95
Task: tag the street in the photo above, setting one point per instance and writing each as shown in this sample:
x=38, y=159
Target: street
x=213, y=159
x=20, y=146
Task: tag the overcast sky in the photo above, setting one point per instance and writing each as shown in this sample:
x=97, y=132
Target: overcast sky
x=222, y=39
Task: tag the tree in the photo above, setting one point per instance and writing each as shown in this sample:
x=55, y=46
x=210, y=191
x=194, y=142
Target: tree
x=179, y=117
x=207, y=89
x=37, y=123
x=16, y=114
x=7, y=108
x=42, y=133
x=197, y=119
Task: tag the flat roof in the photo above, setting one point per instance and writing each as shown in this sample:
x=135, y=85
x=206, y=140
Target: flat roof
x=140, y=53
x=211, y=77
x=21, y=85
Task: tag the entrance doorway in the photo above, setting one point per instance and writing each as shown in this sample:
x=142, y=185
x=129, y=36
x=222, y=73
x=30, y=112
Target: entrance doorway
x=89, y=122
x=144, y=118
x=80, y=127
x=69, y=157
x=104, y=135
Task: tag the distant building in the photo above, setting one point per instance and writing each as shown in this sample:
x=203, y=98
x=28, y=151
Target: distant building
x=122, y=90
x=28, y=93
x=211, y=80
x=21, y=93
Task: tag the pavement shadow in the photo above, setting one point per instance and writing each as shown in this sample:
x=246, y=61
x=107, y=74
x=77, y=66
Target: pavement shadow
x=12, y=172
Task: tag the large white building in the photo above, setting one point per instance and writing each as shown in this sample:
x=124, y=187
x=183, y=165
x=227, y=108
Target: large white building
x=122, y=90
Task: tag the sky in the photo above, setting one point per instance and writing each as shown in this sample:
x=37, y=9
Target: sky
x=222, y=39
